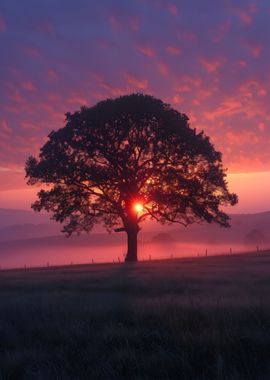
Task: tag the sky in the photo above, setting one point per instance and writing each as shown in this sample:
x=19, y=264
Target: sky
x=208, y=59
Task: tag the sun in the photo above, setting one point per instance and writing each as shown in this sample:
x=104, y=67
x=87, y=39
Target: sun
x=138, y=207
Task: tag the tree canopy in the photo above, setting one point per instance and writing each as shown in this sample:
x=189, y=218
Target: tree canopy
x=125, y=160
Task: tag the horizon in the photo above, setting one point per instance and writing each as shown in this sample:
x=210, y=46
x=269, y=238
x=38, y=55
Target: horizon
x=254, y=185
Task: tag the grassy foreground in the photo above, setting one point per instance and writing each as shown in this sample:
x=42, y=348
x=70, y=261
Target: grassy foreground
x=204, y=318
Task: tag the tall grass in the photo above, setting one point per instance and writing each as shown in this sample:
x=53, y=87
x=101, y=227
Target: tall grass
x=205, y=318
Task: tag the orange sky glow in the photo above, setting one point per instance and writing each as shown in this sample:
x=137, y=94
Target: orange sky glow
x=252, y=188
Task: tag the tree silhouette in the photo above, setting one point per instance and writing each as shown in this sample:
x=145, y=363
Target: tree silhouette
x=125, y=160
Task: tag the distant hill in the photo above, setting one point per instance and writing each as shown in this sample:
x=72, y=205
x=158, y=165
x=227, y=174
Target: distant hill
x=23, y=225
x=241, y=226
x=63, y=241
x=33, y=239
x=10, y=217
x=29, y=231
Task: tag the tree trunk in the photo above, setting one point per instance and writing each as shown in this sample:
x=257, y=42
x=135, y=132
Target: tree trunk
x=132, y=235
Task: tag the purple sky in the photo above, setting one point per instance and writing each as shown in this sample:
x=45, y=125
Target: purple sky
x=209, y=59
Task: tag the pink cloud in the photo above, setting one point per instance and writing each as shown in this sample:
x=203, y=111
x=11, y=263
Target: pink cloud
x=146, y=50
x=15, y=95
x=246, y=103
x=252, y=88
x=203, y=94
x=137, y=83
x=255, y=49
x=221, y=31
x=192, y=80
x=52, y=75
x=183, y=88
x=102, y=83
x=214, y=69
x=51, y=96
x=228, y=107
x=246, y=15
x=29, y=86
x=211, y=65
x=78, y=99
x=28, y=126
x=31, y=50
x=187, y=84
x=163, y=68
x=177, y=99
x=112, y=90
x=172, y=8
x=239, y=138
x=4, y=127
x=119, y=21
x=5, y=130
x=173, y=50
x=261, y=127
x=242, y=63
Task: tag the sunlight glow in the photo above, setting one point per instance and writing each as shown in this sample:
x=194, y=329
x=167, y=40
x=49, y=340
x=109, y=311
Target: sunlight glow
x=138, y=207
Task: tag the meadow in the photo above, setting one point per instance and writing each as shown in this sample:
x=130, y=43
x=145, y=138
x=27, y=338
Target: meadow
x=194, y=318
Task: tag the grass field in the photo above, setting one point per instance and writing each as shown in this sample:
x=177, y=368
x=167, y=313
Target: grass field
x=204, y=318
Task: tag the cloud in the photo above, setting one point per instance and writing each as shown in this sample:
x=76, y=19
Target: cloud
x=208, y=59
x=163, y=68
x=173, y=50
x=261, y=127
x=172, y=8
x=31, y=51
x=146, y=50
x=52, y=75
x=4, y=127
x=238, y=138
x=177, y=99
x=123, y=20
x=255, y=49
x=221, y=31
x=112, y=90
x=78, y=100
x=246, y=14
x=137, y=83
x=228, y=108
x=29, y=86
x=5, y=169
x=211, y=65
x=5, y=130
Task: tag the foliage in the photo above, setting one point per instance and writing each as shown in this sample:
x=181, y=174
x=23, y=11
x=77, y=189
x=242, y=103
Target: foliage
x=131, y=149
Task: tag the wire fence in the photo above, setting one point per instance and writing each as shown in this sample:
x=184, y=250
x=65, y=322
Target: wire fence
x=202, y=253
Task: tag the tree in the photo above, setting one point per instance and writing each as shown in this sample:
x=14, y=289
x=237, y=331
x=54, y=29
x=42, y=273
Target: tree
x=125, y=160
